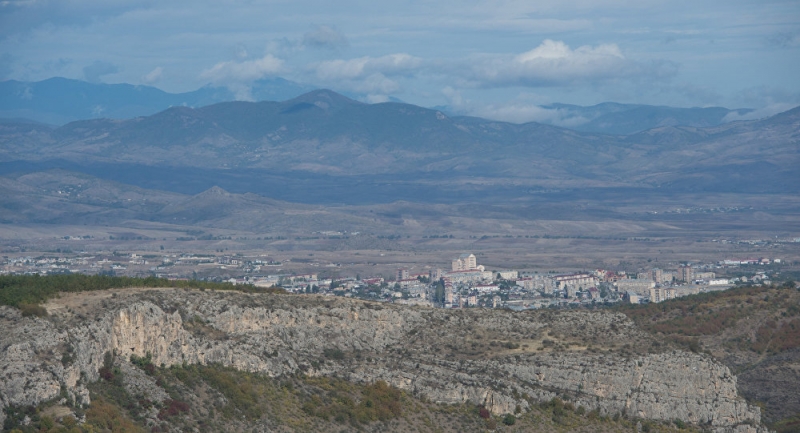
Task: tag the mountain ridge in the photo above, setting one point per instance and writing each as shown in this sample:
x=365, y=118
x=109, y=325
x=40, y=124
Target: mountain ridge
x=59, y=100
x=324, y=133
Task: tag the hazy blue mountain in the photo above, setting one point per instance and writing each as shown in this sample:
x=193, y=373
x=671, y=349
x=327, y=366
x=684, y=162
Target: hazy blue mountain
x=58, y=101
x=322, y=147
x=624, y=119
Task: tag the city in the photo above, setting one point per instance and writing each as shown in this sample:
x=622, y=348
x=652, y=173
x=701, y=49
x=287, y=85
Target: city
x=465, y=284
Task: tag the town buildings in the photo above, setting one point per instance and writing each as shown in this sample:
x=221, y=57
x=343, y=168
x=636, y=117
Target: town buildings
x=465, y=262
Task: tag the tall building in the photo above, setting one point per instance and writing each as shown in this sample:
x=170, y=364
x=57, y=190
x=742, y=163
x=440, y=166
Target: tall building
x=685, y=273
x=465, y=262
x=402, y=274
x=657, y=275
x=660, y=294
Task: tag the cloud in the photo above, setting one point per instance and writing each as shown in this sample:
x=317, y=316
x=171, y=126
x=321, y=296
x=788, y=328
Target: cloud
x=784, y=40
x=98, y=69
x=245, y=71
x=761, y=113
x=27, y=16
x=238, y=76
x=325, y=37
x=392, y=64
x=554, y=63
x=767, y=100
x=374, y=76
x=376, y=99
x=520, y=110
x=153, y=76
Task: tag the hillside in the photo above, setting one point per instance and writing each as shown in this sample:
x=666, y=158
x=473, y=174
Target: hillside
x=753, y=330
x=175, y=358
x=625, y=119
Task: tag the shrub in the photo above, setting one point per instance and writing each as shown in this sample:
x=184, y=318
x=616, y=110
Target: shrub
x=484, y=413
x=144, y=362
x=18, y=290
x=107, y=417
x=378, y=402
x=509, y=419
x=46, y=423
x=172, y=408
x=29, y=310
x=336, y=354
x=106, y=374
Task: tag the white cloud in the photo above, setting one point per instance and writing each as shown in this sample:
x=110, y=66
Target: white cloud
x=520, y=110
x=238, y=76
x=153, y=76
x=392, y=64
x=245, y=71
x=376, y=99
x=761, y=113
x=755, y=39
x=374, y=76
x=376, y=84
x=554, y=63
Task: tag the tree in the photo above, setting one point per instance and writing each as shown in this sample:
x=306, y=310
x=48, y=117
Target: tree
x=438, y=294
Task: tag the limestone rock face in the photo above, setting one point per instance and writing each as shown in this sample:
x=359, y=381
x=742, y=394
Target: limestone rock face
x=444, y=356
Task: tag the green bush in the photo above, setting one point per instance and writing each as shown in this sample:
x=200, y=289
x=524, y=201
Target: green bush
x=336, y=354
x=509, y=419
x=17, y=290
x=32, y=310
x=378, y=402
x=144, y=362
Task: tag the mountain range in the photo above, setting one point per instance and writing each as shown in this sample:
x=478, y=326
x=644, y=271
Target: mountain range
x=57, y=101
x=322, y=133
x=235, y=164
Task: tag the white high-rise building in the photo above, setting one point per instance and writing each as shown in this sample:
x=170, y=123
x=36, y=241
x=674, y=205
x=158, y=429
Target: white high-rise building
x=465, y=262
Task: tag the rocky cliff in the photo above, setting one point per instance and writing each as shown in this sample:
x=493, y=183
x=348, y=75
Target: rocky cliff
x=500, y=359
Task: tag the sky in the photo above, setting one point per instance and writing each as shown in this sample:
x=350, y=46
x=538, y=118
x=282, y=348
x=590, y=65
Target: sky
x=502, y=59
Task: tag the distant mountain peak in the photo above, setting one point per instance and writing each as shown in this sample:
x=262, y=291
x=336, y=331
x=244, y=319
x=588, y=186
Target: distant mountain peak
x=214, y=190
x=324, y=98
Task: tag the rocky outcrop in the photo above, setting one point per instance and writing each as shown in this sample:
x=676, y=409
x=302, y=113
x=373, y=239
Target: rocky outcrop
x=440, y=355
